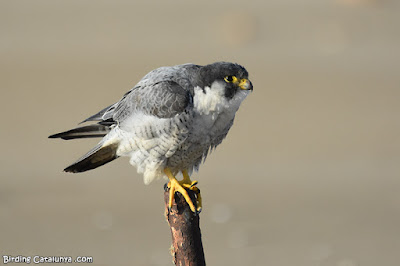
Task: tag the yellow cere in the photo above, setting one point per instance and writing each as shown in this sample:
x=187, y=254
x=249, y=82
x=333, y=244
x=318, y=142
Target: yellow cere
x=243, y=84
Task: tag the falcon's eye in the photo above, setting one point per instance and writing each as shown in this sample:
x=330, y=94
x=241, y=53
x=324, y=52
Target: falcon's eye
x=231, y=79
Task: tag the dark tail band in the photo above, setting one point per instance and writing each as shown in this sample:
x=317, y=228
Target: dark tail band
x=96, y=157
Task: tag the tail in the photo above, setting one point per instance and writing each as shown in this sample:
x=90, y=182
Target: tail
x=90, y=131
x=98, y=156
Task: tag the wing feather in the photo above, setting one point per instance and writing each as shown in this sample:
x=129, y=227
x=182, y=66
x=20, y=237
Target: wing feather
x=102, y=115
x=163, y=99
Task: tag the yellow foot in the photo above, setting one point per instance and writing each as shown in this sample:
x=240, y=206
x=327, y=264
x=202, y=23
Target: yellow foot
x=179, y=186
x=186, y=182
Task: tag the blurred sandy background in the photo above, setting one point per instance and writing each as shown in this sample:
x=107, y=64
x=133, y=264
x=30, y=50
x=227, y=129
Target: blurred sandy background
x=309, y=174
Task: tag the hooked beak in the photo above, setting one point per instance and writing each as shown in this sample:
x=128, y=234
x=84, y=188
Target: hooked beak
x=245, y=84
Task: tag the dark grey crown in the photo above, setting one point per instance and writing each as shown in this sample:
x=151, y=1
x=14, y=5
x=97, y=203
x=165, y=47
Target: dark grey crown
x=218, y=71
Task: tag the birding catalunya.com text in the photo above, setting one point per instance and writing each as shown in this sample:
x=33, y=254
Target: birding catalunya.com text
x=7, y=259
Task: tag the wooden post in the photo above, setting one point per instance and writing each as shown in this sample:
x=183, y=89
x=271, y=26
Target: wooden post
x=187, y=248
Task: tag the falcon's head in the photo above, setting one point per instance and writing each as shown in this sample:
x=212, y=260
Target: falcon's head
x=233, y=77
x=221, y=85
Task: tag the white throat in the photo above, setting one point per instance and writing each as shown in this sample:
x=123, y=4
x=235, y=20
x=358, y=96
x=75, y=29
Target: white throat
x=212, y=101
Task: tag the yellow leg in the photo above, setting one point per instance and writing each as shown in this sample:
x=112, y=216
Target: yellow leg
x=186, y=182
x=174, y=185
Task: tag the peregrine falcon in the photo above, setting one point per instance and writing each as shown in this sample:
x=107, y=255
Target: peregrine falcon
x=167, y=123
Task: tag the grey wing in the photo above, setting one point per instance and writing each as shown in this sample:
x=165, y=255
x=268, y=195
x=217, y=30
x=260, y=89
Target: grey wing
x=107, y=113
x=155, y=120
x=163, y=99
x=103, y=115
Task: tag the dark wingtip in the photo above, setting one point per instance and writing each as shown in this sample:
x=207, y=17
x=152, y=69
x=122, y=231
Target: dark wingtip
x=55, y=136
x=71, y=169
x=89, y=131
x=84, y=121
x=61, y=135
